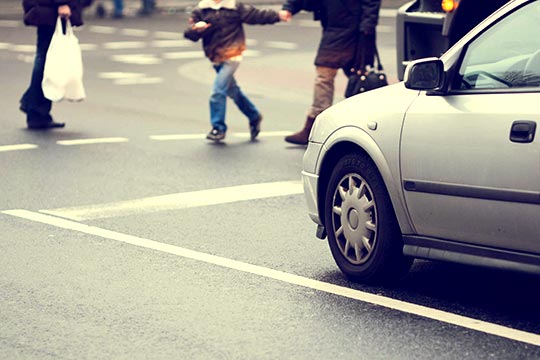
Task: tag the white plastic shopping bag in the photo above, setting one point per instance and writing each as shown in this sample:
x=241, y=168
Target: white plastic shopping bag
x=63, y=73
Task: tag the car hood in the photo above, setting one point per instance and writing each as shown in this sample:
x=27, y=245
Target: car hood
x=381, y=108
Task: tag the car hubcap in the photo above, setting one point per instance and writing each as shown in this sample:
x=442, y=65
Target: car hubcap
x=354, y=220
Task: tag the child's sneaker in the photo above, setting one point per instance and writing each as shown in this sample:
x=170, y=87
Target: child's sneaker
x=255, y=127
x=216, y=135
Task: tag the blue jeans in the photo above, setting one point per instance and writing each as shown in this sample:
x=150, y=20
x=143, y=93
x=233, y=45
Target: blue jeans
x=225, y=85
x=33, y=102
x=147, y=6
x=118, y=7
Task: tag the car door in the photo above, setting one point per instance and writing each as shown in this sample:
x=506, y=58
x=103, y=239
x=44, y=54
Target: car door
x=470, y=159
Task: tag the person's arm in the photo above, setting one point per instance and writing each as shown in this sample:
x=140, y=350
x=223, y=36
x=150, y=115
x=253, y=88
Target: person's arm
x=370, y=16
x=294, y=6
x=196, y=26
x=254, y=16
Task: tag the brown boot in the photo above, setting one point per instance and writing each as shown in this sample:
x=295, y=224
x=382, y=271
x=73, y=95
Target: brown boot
x=301, y=137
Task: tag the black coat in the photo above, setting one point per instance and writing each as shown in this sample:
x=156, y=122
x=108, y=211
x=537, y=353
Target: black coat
x=45, y=12
x=343, y=22
x=225, y=38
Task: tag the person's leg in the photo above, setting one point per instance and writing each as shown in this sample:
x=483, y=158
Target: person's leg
x=241, y=100
x=33, y=102
x=218, y=99
x=147, y=7
x=323, y=91
x=323, y=97
x=118, y=8
x=246, y=107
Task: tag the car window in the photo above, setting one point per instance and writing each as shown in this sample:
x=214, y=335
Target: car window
x=507, y=55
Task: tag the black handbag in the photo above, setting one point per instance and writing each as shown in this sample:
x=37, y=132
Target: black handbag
x=362, y=79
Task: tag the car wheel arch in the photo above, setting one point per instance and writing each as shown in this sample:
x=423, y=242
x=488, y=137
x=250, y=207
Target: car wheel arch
x=352, y=139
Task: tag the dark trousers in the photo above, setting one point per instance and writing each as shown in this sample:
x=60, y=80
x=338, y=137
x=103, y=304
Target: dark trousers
x=33, y=102
x=147, y=6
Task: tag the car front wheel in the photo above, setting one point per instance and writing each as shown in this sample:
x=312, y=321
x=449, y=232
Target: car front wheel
x=363, y=232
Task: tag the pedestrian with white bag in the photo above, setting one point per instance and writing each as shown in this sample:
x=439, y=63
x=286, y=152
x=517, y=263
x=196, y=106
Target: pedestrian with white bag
x=46, y=15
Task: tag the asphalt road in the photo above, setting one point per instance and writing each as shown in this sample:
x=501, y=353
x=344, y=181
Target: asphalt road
x=149, y=242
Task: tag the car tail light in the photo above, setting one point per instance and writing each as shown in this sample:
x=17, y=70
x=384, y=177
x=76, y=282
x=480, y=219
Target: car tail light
x=449, y=5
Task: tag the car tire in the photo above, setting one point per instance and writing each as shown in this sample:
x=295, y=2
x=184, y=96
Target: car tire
x=363, y=232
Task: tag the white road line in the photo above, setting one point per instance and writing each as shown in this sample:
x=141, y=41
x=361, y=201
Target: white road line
x=179, y=201
x=135, y=32
x=102, y=29
x=92, y=141
x=252, y=53
x=4, y=46
x=5, y=148
x=22, y=48
x=200, y=55
x=203, y=136
x=120, y=75
x=167, y=35
x=122, y=45
x=10, y=23
x=281, y=45
x=178, y=137
x=183, y=55
x=390, y=303
x=139, y=81
x=128, y=78
x=171, y=43
x=137, y=59
x=88, y=47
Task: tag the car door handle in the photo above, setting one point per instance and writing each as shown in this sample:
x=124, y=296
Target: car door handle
x=523, y=131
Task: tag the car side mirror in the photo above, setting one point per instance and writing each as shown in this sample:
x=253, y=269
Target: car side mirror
x=424, y=74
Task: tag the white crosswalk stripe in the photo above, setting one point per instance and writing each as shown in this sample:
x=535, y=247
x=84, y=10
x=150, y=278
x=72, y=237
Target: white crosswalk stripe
x=167, y=35
x=17, y=147
x=179, y=201
x=10, y=23
x=135, y=32
x=183, y=55
x=138, y=59
x=281, y=45
x=139, y=81
x=122, y=45
x=109, y=140
x=171, y=43
x=22, y=48
x=102, y=29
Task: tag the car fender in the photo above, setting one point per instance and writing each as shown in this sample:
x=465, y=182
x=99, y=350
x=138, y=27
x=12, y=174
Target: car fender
x=391, y=176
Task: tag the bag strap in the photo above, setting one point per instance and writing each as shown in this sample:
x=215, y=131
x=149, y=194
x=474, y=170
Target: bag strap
x=361, y=58
x=60, y=28
x=69, y=28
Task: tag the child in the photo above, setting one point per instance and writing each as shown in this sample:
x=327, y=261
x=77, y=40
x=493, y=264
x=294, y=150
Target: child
x=219, y=24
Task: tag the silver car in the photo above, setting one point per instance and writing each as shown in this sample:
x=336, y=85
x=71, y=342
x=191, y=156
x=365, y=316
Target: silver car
x=443, y=166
